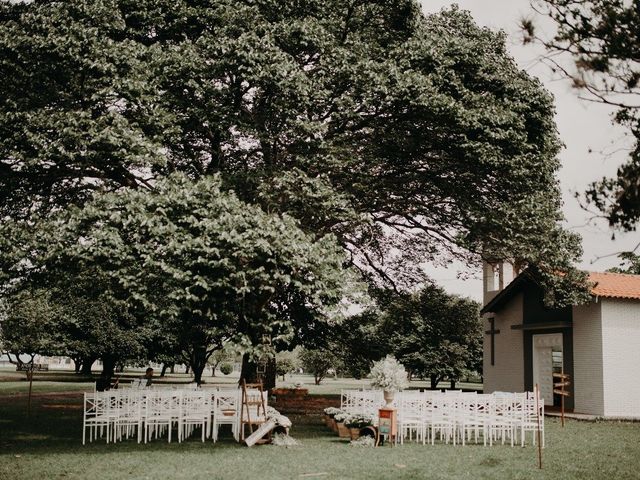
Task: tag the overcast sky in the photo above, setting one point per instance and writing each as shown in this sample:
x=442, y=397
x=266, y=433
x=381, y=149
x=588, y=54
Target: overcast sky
x=583, y=126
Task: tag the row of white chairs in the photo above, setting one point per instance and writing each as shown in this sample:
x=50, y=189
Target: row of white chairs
x=456, y=416
x=151, y=413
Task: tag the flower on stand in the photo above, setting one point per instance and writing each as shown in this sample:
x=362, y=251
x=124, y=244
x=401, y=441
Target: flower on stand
x=388, y=374
x=358, y=421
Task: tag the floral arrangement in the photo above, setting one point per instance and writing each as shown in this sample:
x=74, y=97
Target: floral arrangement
x=341, y=417
x=358, y=421
x=282, y=440
x=276, y=416
x=364, y=441
x=332, y=411
x=389, y=375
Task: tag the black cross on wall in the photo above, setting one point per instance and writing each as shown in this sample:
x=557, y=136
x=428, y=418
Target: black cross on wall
x=493, y=333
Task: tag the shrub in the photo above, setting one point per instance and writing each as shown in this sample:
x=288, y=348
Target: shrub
x=226, y=368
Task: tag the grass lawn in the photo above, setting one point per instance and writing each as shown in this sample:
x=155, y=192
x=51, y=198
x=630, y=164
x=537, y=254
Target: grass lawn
x=12, y=382
x=48, y=446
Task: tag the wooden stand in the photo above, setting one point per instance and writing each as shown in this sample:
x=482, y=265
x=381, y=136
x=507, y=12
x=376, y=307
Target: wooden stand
x=559, y=389
x=253, y=400
x=537, y=394
x=388, y=423
x=30, y=378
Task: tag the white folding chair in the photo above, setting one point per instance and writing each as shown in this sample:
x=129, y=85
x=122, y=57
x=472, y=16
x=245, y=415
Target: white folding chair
x=442, y=418
x=195, y=411
x=530, y=421
x=226, y=411
x=472, y=417
x=501, y=425
x=95, y=417
x=161, y=412
x=411, y=419
x=129, y=419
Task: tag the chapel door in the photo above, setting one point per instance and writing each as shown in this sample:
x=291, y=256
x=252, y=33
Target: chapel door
x=547, y=359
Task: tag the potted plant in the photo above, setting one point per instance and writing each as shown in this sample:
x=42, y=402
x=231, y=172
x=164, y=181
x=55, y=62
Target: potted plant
x=357, y=422
x=343, y=431
x=389, y=375
x=329, y=421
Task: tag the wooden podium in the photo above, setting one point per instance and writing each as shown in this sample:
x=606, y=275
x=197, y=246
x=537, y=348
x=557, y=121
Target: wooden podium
x=388, y=423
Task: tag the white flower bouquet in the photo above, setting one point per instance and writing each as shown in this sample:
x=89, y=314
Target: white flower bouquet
x=358, y=421
x=341, y=417
x=389, y=375
x=332, y=411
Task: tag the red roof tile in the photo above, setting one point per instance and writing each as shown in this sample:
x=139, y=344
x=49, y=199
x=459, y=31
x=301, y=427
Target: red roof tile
x=615, y=285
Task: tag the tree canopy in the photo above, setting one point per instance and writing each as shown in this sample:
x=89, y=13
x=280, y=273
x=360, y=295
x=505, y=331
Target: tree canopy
x=220, y=165
x=602, y=38
x=433, y=334
x=411, y=138
x=204, y=265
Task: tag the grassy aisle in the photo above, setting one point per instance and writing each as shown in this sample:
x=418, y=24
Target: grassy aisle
x=48, y=446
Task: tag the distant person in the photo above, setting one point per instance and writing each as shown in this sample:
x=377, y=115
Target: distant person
x=148, y=377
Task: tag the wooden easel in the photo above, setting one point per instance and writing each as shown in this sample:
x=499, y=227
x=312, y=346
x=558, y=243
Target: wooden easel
x=249, y=400
x=564, y=381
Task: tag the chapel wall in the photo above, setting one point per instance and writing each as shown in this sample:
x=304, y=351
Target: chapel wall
x=587, y=359
x=621, y=357
x=507, y=375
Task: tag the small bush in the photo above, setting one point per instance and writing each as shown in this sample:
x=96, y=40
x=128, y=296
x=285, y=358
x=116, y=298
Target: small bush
x=226, y=368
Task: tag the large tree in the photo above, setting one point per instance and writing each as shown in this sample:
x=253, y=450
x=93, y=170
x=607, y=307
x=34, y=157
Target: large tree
x=411, y=138
x=207, y=266
x=433, y=334
x=26, y=323
x=602, y=39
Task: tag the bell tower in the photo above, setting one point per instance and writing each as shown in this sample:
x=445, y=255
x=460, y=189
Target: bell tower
x=496, y=275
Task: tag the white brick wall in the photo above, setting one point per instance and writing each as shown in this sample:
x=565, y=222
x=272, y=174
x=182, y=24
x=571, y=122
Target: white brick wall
x=621, y=357
x=508, y=372
x=587, y=359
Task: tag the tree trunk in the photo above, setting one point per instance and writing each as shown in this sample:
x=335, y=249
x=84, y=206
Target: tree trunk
x=108, y=367
x=186, y=370
x=453, y=384
x=249, y=372
x=164, y=369
x=77, y=364
x=434, y=381
x=172, y=368
x=87, y=363
x=270, y=375
x=198, y=364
